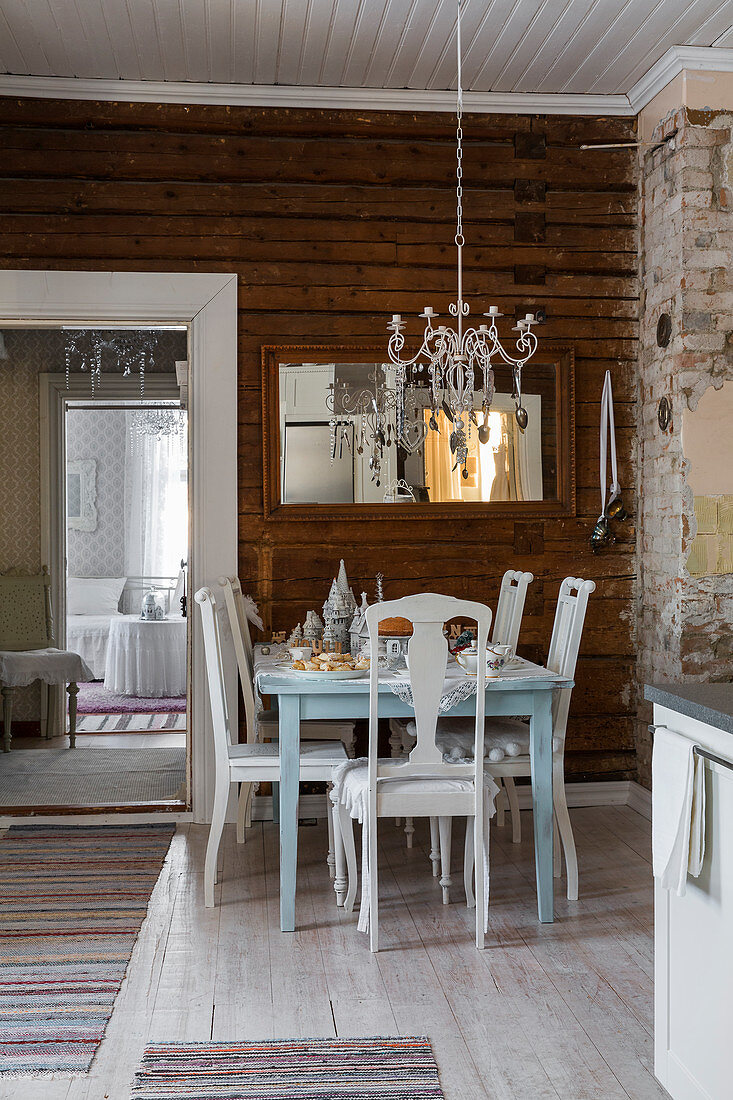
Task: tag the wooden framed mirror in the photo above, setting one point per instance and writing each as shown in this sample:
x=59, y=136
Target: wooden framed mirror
x=319, y=457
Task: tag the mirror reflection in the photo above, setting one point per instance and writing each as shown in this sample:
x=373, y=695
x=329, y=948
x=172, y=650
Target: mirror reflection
x=340, y=442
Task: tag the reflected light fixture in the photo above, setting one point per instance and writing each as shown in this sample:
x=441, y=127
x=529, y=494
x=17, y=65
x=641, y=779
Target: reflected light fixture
x=454, y=356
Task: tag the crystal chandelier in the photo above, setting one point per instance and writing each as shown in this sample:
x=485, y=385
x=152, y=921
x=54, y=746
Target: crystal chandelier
x=90, y=350
x=455, y=357
x=158, y=423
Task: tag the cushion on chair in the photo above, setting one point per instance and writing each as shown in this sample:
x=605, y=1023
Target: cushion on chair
x=351, y=785
x=53, y=666
x=502, y=737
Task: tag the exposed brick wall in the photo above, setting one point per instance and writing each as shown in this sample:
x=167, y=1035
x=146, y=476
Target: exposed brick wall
x=685, y=624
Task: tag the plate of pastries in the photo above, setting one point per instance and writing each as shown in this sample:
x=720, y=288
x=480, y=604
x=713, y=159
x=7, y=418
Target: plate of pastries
x=331, y=666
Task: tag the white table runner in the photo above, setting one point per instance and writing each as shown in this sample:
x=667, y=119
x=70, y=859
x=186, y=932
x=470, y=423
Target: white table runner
x=457, y=687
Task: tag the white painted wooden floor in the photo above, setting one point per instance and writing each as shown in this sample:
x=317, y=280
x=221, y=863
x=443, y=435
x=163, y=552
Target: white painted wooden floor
x=546, y=1012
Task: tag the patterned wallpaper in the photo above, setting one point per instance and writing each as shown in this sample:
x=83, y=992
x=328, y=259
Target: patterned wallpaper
x=99, y=434
x=32, y=352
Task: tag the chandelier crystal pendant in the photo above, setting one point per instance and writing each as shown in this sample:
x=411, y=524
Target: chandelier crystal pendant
x=454, y=357
x=90, y=350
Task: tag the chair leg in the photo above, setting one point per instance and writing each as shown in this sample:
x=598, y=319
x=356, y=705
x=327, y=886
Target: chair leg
x=445, y=829
x=73, y=691
x=7, y=694
x=340, y=881
x=409, y=831
x=434, y=846
x=395, y=751
x=479, y=872
x=331, y=857
x=566, y=829
x=500, y=804
x=243, y=803
x=468, y=864
x=346, y=829
x=218, y=817
x=49, y=700
x=513, y=800
x=372, y=841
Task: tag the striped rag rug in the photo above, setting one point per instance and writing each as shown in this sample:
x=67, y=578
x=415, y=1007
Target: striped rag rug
x=72, y=900
x=296, y=1069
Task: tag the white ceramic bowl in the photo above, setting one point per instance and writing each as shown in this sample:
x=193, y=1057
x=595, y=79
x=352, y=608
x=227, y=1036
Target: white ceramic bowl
x=301, y=652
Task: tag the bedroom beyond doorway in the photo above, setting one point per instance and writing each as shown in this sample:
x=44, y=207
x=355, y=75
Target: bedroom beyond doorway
x=116, y=502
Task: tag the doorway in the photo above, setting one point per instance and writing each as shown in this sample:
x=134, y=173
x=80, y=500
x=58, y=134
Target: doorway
x=111, y=497
x=207, y=305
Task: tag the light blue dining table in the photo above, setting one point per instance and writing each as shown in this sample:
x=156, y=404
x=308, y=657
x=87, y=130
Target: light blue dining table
x=527, y=690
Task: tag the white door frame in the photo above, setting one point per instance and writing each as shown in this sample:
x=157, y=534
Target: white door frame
x=207, y=303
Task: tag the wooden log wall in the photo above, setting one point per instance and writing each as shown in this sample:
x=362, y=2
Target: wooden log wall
x=333, y=221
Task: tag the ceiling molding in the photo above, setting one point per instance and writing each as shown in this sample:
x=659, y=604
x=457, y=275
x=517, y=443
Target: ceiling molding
x=707, y=58
x=275, y=95
x=677, y=58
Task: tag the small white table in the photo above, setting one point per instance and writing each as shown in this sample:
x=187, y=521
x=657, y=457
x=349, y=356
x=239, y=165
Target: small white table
x=146, y=659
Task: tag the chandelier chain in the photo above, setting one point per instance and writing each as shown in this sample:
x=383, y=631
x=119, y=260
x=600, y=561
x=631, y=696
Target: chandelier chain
x=453, y=358
x=459, y=239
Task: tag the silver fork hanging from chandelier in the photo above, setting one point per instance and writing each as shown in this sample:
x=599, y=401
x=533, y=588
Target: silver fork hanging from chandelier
x=453, y=357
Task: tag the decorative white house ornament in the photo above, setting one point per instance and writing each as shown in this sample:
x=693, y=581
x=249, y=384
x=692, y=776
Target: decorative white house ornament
x=339, y=608
x=358, y=631
x=454, y=357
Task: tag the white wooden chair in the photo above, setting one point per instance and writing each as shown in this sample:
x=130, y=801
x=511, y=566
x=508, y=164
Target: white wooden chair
x=562, y=658
x=507, y=624
x=422, y=784
x=248, y=763
x=28, y=651
x=263, y=724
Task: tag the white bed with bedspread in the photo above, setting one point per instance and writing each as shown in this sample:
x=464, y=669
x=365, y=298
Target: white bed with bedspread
x=91, y=604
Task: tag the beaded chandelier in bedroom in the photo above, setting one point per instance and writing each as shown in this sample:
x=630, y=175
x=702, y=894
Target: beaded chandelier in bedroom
x=453, y=357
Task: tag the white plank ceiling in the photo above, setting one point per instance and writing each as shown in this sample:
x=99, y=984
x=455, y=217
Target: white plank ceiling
x=543, y=46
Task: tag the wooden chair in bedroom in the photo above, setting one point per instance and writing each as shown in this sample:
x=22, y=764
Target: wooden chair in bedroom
x=28, y=652
x=263, y=724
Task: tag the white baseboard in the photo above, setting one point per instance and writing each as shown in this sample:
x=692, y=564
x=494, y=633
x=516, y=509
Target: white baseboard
x=622, y=792
x=640, y=799
x=147, y=818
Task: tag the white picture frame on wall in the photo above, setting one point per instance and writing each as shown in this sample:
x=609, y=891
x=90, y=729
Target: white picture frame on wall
x=81, y=495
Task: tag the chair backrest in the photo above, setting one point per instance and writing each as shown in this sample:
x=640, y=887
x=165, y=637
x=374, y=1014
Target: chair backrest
x=215, y=674
x=25, y=611
x=239, y=626
x=510, y=608
x=427, y=655
x=567, y=631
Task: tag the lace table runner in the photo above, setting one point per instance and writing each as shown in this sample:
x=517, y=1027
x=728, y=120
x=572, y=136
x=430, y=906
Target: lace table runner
x=456, y=689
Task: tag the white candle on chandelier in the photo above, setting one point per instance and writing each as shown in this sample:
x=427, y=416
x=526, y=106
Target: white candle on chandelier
x=493, y=311
x=428, y=311
x=529, y=317
x=396, y=318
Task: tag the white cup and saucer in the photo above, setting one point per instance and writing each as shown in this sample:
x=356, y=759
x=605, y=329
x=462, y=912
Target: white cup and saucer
x=497, y=656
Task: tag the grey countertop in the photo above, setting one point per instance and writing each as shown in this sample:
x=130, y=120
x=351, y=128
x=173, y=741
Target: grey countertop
x=710, y=703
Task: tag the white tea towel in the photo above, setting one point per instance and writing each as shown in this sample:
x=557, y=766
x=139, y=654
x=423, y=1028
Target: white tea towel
x=678, y=810
x=351, y=788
